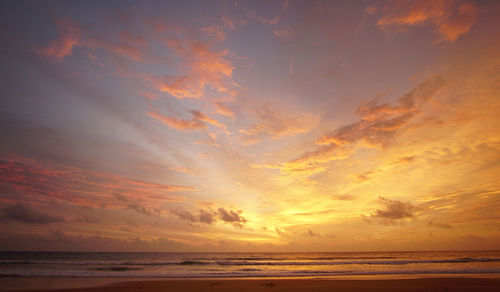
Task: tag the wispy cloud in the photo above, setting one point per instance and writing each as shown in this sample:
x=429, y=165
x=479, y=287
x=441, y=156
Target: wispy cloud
x=269, y=21
x=440, y=224
x=42, y=182
x=315, y=213
x=215, y=31
x=286, y=34
x=276, y=123
x=378, y=125
x=180, y=124
x=199, y=66
x=223, y=109
x=70, y=37
x=448, y=20
x=73, y=35
x=197, y=122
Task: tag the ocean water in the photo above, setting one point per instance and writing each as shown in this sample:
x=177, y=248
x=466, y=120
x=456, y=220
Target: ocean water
x=248, y=265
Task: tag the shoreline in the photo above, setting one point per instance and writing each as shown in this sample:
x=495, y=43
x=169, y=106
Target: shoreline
x=438, y=283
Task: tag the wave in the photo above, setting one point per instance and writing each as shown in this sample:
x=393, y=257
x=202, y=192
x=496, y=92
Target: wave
x=118, y=269
x=321, y=263
x=192, y=263
x=309, y=258
x=251, y=262
x=245, y=274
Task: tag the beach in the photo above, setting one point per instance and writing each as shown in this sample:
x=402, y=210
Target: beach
x=393, y=265
x=328, y=271
x=254, y=285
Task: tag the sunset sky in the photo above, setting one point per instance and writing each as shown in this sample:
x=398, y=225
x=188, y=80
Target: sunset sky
x=250, y=125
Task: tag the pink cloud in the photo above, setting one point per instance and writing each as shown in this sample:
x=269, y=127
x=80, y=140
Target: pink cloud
x=179, y=124
x=216, y=32
x=38, y=182
x=269, y=21
x=286, y=34
x=198, y=121
x=70, y=37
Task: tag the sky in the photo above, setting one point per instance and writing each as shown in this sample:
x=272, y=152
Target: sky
x=252, y=126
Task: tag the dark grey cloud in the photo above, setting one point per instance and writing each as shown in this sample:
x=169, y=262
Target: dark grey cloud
x=394, y=211
x=206, y=217
x=344, y=197
x=134, y=205
x=280, y=232
x=440, y=224
x=185, y=215
x=209, y=216
x=230, y=216
x=309, y=232
x=29, y=215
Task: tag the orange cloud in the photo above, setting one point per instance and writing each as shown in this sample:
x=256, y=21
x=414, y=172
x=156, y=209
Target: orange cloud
x=413, y=13
x=405, y=159
x=377, y=126
x=206, y=68
x=197, y=115
x=223, y=109
x=449, y=21
x=180, y=124
x=210, y=140
x=370, y=9
x=460, y=24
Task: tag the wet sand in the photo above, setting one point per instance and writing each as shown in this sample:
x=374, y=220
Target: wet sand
x=244, y=285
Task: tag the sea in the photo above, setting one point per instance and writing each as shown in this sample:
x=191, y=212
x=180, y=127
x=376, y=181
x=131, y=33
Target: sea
x=249, y=265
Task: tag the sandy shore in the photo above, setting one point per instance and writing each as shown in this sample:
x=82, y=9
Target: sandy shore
x=432, y=284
